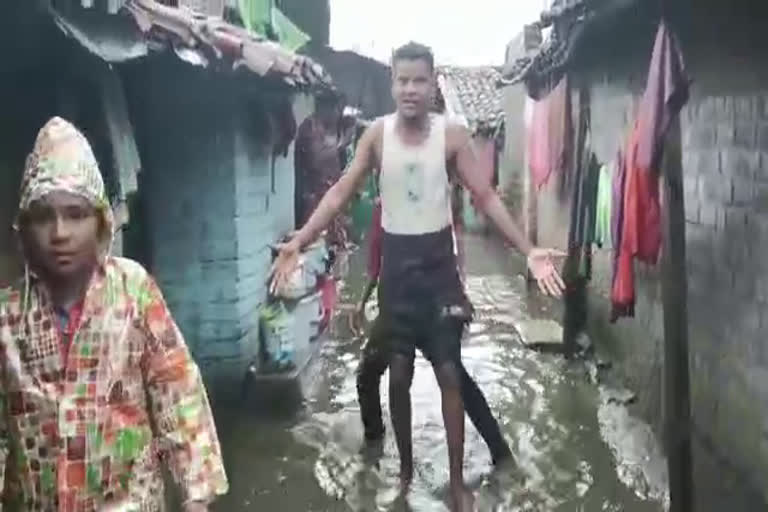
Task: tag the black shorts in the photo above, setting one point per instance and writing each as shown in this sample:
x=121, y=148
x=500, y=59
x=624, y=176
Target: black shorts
x=378, y=344
x=438, y=339
x=422, y=302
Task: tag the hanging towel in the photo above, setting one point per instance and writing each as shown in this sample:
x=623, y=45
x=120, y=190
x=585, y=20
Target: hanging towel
x=603, y=207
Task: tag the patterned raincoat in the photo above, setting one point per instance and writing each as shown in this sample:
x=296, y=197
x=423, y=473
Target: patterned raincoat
x=86, y=425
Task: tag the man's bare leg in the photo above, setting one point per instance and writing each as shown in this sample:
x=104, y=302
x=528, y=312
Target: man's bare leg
x=400, y=378
x=447, y=375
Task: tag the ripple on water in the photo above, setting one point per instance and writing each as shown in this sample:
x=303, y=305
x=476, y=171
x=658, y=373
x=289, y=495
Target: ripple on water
x=549, y=418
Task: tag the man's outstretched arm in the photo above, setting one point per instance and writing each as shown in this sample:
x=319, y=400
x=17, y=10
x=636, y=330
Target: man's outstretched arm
x=489, y=202
x=486, y=198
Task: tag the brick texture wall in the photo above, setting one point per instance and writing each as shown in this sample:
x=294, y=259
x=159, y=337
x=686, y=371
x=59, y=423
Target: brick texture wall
x=215, y=199
x=726, y=191
x=725, y=167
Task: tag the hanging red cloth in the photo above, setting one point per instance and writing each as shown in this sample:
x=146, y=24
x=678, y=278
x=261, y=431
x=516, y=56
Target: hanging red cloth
x=665, y=94
x=640, y=230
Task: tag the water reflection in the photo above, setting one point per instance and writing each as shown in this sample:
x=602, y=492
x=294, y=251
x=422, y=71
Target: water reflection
x=568, y=443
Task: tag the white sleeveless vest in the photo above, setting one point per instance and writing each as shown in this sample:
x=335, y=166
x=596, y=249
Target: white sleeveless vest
x=413, y=182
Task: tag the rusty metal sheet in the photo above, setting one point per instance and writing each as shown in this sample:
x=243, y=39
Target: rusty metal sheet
x=196, y=37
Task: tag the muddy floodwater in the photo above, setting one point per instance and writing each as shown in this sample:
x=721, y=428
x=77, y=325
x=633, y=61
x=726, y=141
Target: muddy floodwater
x=577, y=447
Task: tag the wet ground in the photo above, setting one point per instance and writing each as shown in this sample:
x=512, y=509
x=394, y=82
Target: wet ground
x=577, y=447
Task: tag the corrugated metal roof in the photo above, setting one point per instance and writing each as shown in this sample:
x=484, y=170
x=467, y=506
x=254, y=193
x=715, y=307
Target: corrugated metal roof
x=472, y=94
x=196, y=38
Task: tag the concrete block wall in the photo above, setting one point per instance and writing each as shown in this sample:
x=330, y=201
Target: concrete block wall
x=215, y=201
x=635, y=345
x=725, y=144
x=725, y=168
x=190, y=196
x=264, y=213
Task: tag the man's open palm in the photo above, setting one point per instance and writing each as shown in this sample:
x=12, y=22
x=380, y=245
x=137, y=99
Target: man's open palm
x=542, y=266
x=286, y=262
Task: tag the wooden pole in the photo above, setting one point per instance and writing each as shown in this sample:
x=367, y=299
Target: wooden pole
x=676, y=379
x=576, y=296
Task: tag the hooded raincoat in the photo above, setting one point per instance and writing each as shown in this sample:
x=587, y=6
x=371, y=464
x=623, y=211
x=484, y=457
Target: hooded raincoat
x=86, y=427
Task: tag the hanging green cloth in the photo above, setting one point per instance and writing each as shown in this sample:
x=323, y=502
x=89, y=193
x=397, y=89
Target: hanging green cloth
x=256, y=15
x=604, y=199
x=290, y=36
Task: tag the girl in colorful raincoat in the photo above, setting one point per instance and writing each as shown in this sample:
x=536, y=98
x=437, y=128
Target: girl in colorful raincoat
x=97, y=386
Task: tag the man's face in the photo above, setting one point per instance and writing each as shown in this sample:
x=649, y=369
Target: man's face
x=412, y=87
x=61, y=235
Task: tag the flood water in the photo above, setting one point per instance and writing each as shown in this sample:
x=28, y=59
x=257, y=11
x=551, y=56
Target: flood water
x=575, y=448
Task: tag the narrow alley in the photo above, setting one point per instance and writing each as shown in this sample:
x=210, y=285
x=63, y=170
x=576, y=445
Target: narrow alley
x=195, y=196
x=576, y=448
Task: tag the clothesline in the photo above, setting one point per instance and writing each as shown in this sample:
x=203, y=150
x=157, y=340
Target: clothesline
x=614, y=204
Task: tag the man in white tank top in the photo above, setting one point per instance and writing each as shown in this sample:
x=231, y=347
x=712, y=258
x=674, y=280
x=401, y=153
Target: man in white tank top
x=421, y=297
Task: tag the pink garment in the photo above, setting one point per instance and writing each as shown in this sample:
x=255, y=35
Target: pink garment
x=538, y=143
x=551, y=134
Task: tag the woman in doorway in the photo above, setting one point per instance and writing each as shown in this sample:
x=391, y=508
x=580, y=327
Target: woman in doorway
x=319, y=159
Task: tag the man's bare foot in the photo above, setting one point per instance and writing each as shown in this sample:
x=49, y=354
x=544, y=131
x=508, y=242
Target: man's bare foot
x=462, y=500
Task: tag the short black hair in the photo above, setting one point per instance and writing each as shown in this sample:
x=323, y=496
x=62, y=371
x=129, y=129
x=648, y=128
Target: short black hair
x=414, y=51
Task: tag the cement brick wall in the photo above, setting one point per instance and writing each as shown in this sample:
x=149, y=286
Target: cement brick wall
x=264, y=212
x=725, y=145
x=635, y=345
x=215, y=200
x=725, y=167
x=190, y=190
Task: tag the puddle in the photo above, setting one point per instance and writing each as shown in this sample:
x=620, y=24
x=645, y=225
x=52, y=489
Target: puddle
x=575, y=449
